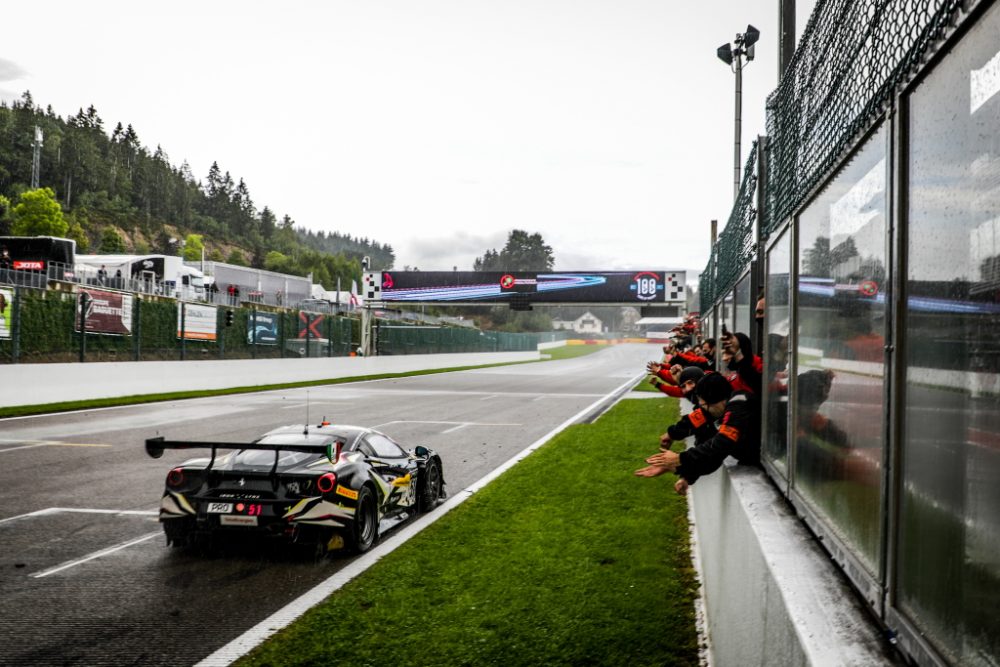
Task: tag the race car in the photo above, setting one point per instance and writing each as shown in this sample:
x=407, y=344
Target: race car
x=326, y=487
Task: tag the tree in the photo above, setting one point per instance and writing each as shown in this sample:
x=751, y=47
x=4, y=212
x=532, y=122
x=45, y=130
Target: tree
x=275, y=261
x=76, y=232
x=39, y=214
x=236, y=257
x=112, y=243
x=523, y=252
x=5, y=211
x=193, y=248
x=820, y=260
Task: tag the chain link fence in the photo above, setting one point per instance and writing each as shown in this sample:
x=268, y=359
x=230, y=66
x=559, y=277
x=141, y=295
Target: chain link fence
x=853, y=57
x=38, y=325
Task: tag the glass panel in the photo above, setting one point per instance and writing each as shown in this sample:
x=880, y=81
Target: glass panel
x=841, y=339
x=949, y=549
x=727, y=312
x=741, y=319
x=776, y=352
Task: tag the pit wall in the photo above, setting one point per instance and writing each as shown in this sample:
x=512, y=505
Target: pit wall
x=38, y=384
x=772, y=596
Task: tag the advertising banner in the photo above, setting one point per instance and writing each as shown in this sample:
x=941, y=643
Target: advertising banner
x=266, y=328
x=107, y=312
x=6, y=313
x=592, y=287
x=199, y=322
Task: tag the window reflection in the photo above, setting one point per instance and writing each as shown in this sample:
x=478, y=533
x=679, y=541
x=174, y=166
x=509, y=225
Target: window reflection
x=839, y=414
x=727, y=315
x=742, y=318
x=776, y=353
x=949, y=548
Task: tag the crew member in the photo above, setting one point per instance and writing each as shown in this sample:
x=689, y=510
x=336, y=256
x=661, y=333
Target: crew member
x=738, y=435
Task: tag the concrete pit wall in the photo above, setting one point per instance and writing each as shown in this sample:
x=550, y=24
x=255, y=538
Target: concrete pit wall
x=772, y=595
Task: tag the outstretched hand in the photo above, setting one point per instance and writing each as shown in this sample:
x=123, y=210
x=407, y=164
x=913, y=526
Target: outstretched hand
x=651, y=471
x=669, y=460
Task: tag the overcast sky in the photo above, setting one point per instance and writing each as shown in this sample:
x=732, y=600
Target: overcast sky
x=436, y=126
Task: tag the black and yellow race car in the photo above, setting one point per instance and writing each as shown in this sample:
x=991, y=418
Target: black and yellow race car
x=325, y=486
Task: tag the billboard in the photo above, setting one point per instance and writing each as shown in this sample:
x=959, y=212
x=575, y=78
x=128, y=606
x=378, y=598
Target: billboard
x=592, y=287
x=107, y=312
x=199, y=322
x=266, y=327
x=6, y=313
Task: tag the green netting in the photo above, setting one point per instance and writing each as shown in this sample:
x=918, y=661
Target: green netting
x=854, y=56
x=46, y=323
x=735, y=247
x=706, y=285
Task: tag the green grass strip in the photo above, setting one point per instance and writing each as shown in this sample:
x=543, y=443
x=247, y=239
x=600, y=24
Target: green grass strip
x=644, y=385
x=570, y=351
x=565, y=559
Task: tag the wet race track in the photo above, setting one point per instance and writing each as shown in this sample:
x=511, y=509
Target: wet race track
x=85, y=576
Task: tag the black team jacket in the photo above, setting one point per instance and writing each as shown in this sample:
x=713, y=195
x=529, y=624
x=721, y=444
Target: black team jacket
x=738, y=436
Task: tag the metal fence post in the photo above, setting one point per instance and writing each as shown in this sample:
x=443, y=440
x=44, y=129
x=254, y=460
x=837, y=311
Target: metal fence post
x=329, y=335
x=220, y=332
x=183, y=331
x=15, y=326
x=137, y=328
x=253, y=331
x=83, y=298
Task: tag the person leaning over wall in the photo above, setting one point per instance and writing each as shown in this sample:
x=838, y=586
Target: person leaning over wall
x=745, y=369
x=737, y=420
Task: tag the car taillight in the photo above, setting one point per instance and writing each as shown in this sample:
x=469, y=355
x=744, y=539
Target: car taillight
x=175, y=477
x=326, y=482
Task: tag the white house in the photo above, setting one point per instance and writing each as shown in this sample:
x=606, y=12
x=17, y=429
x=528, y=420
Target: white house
x=586, y=323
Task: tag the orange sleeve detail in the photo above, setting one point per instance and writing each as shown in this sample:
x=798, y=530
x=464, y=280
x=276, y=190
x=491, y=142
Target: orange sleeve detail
x=729, y=432
x=697, y=418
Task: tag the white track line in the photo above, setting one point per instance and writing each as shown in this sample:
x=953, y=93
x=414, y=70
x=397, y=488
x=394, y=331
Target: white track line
x=48, y=443
x=458, y=424
x=96, y=554
x=57, y=510
x=14, y=449
x=284, y=616
x=49, y=510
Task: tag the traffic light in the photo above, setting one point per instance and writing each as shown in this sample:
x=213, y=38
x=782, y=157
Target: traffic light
x=229, y=318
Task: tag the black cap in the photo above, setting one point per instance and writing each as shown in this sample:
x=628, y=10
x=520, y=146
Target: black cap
x=713, y=388
x=690, y=373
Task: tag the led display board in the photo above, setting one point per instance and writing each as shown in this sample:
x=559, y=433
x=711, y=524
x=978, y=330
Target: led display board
x=591, y=287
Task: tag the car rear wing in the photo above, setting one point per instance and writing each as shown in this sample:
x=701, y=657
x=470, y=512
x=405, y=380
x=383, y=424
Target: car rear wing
x=156, y=446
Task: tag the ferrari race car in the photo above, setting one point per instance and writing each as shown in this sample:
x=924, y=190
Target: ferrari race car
x=326, y=487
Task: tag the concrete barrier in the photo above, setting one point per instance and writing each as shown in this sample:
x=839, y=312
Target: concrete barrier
x=37, y=384
x=772, y=595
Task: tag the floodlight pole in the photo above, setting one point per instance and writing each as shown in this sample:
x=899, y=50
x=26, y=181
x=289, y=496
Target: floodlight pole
x=738, y=129
x=733, y=55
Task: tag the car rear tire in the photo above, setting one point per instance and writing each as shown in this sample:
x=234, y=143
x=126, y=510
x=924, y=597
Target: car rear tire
x=364, y=530
x=430, y=491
